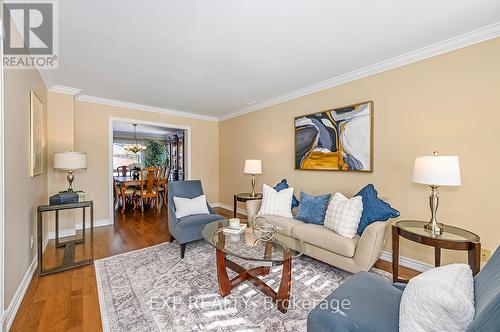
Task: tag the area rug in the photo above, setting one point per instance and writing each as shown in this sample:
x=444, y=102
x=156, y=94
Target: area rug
x=152, y=289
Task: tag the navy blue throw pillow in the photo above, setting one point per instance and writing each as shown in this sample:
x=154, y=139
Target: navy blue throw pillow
x=284, y=185
x=374, y=209
x=313, y=208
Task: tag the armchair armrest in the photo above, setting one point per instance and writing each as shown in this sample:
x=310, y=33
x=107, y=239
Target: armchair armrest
x=370, y=244
x=253, y=208
x=171, y=216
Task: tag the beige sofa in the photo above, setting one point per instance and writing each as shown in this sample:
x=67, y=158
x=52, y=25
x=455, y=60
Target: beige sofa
x=353, y=255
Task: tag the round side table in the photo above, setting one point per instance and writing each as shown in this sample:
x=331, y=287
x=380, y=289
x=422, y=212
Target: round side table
x=243, y=197
x=453, y=238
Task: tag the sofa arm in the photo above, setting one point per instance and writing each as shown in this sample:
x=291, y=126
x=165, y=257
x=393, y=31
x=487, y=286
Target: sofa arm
x=253, y=208
x=370, y=245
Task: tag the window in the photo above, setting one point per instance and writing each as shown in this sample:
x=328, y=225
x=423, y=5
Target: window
x=122, y=157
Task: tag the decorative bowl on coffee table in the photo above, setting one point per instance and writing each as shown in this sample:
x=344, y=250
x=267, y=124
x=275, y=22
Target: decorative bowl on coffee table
x=248, y=247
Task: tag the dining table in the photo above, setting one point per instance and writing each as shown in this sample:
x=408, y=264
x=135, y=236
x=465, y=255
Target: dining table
x=128, y=181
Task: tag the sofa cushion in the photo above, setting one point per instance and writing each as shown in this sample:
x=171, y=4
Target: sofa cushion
x=276, y=203
x=343, y=215
x=284, y=185
x=284, y=225
x=190, y=206
x=371, y=304
x=439, y=299
x=312, y=208
x=322, y=237
x=374, y=209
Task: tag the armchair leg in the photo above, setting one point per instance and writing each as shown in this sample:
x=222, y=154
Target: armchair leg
x=183, y=249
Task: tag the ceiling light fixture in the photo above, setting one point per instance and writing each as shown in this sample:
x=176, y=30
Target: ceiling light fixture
x=134, y=148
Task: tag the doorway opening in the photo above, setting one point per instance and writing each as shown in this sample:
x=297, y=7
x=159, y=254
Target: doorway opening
x=135, y=146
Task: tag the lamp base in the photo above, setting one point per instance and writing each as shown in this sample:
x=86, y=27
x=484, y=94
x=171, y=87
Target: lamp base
x=435, y=228
x=70, y=179
x=253, y=194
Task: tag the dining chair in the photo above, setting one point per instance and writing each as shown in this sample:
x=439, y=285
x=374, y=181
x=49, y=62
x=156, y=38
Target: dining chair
x=149, y=185
x=163, y=184
x=122, y=170
x=129, y=193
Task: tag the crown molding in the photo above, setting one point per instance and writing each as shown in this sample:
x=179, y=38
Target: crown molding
x=467, y=39
x=146, y=108
x=67, y=90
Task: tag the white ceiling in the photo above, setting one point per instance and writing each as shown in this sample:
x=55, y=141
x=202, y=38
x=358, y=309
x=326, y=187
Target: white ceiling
x=126, y=129
x=218, y=57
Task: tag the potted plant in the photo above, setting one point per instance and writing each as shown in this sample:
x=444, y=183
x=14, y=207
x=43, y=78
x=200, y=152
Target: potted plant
x=155, y=154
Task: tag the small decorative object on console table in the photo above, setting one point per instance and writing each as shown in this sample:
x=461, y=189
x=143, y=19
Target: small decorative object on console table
x=248, y=247
x=436, y=171
x=253, y=167
x=452, y=238
x=243, y=197
x=69, y=246
x=70, y=161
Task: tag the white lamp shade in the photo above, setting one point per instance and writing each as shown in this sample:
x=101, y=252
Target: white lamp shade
x=437, y=170
x=70, y=160
x=253, y=166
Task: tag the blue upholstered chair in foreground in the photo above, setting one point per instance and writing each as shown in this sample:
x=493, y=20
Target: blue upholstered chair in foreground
x=187, y=229
x=374, y=303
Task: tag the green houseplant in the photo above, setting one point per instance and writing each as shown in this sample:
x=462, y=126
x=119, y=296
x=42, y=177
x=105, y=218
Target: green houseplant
x=155, y=154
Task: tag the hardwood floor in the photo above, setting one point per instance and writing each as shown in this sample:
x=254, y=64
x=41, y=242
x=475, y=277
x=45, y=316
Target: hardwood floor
x=68, y=301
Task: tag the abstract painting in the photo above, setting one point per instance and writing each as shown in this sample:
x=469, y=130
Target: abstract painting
x=36, y=136
x=336, y=140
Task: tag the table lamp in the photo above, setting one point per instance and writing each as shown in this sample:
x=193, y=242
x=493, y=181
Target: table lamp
x=69, y=161
x=253, y=167
x=436, y=171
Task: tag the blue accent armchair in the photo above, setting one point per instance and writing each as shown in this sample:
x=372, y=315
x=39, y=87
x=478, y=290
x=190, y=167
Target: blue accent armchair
x=374, y=303
x=188, y=228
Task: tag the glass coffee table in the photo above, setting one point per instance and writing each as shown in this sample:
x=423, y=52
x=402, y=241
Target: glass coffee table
x=246, y=246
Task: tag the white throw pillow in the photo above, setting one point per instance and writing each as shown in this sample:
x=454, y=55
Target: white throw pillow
x=276, y=203
x=189, y=206
x=440, y=299
x=343, y=215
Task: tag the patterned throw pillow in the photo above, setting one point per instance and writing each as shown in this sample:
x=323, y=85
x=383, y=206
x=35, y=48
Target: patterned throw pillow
x=283, y=185
x=312, y=208
x=374, y=209
x=343, y=215
x=276, y=203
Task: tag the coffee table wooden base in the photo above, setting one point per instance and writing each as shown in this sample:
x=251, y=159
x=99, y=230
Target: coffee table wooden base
x=281, y=298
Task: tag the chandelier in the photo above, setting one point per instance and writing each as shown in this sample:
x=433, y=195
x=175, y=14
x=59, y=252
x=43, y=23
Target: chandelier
x=134, y=148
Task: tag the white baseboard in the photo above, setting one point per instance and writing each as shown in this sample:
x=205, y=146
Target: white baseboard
x=407, y=262
x=228, y=207
x=10, y=313
x=78, y=226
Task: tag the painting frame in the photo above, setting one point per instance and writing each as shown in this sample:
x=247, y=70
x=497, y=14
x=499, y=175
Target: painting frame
x=36, y=135
x=370, y=168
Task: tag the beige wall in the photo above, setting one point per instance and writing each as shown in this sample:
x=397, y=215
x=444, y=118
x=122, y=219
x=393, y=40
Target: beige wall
x=448, y=103
x=92, y=136
x=60, y=137
x=22, y=192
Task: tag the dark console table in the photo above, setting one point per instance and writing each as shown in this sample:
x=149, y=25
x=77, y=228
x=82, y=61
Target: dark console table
x=69, y=246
